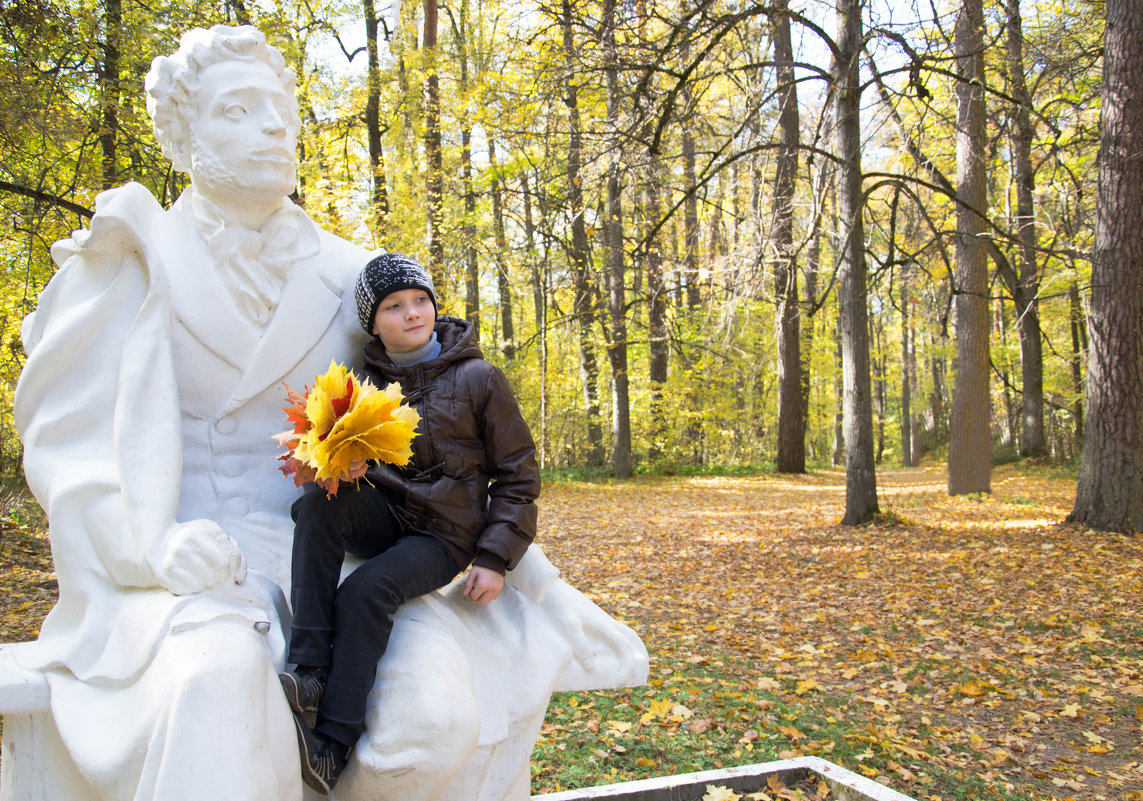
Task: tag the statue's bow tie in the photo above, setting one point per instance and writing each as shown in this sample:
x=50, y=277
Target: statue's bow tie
x=255, y=264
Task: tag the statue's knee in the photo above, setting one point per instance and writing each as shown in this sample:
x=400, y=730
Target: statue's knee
x=220, y=661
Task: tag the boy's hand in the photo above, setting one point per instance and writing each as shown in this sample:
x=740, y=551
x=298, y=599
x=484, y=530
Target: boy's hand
x=483, y=585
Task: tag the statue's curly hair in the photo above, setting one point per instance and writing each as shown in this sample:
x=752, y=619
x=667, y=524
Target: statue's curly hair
x=173, y=80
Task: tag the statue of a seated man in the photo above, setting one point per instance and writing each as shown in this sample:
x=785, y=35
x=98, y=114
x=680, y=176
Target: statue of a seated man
x=154, y=380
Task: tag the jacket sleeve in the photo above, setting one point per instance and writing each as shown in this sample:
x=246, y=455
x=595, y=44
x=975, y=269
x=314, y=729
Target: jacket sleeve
x=510, y=458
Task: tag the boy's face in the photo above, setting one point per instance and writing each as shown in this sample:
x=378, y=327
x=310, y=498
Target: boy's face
x=404, y=320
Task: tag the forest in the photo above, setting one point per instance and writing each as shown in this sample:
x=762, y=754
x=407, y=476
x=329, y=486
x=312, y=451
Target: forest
x=719, y=234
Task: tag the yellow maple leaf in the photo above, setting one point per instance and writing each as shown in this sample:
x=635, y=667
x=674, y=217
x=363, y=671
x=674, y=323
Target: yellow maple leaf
x=346, y=423
x=714, y=793
x=971, y=689
x=659, y=709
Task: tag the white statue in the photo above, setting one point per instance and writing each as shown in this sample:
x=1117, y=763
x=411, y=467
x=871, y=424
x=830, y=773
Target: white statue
x=153, y=383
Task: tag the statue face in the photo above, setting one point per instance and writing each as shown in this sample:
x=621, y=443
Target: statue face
x=242, y=142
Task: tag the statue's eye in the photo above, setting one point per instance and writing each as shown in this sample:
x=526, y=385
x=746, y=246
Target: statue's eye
x=234, y=111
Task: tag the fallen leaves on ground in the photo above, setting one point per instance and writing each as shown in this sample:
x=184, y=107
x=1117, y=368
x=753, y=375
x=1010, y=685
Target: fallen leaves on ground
x=27, y=579
x=970, y=647
x=971, y=642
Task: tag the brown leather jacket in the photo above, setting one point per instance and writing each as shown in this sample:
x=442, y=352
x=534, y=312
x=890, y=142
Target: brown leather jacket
x=473, y=480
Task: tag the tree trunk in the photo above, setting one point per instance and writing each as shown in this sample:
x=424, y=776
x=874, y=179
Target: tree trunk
x=690, y=202
x=540, y=308
x=837, y=452
x=109, y=90
x=657, y=346
x=970, y=445
x=1003, y=367
x=938, y=397
x=434, y=183
x=468, y=229
x=878, y=370
x=813, y=266
x=908, y=364
x=580, y=258
x=853, y=319
x=1110, y=492
x=1079, y=347
x=1026, y=297
x=503, y=286
x=791, y=456
x=373, y=123
x=617, y=347
x=823, y=184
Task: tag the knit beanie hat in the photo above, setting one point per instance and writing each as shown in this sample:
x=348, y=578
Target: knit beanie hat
x=383, y=275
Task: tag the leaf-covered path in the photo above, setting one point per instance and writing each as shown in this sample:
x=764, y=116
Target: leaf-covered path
x=970, y=647
x=962, y=648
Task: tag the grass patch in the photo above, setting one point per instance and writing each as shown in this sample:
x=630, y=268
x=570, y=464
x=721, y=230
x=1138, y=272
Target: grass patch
x=708, y=715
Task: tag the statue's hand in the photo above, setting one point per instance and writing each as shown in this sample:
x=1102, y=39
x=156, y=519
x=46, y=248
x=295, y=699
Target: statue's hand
x=199, y=555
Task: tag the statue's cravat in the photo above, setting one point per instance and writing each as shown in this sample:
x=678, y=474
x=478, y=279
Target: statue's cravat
x=254, y=265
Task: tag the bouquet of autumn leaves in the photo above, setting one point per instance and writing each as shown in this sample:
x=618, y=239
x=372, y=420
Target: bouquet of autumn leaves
x=342, y=424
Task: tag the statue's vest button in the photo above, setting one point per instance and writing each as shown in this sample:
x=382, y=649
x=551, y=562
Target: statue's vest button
x=226, y=425
x=235, y=507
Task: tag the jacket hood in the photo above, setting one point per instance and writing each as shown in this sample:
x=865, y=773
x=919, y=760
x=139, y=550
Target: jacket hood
x=457, y=342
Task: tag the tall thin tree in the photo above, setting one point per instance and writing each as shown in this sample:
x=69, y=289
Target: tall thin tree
x=970, y=448
x=434, y=181
x=617, y=302
x=110, y=91
x=853, y=317
x=583, y=305
x=460, y=22
x=373, y=132
x=791, y=456
x=1027, y=289
x=503, y=284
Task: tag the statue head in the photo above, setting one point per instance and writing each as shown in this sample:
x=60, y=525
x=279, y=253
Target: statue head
x=176, y=86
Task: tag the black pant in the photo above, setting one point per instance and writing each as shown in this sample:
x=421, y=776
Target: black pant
x=347, y=628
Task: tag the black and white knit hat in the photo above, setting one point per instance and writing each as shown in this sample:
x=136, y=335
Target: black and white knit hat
x=384, y=275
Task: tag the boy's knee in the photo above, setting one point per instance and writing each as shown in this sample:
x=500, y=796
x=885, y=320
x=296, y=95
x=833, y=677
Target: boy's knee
x=373, y=589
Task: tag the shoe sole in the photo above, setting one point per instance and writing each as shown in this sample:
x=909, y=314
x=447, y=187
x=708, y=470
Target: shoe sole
x=304, y=745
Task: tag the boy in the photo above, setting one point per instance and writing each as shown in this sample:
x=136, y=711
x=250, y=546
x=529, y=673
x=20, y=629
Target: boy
x=466, y=498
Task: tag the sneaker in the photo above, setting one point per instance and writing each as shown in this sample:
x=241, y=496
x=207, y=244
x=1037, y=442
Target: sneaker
x=320, y=766
x=303, y=689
